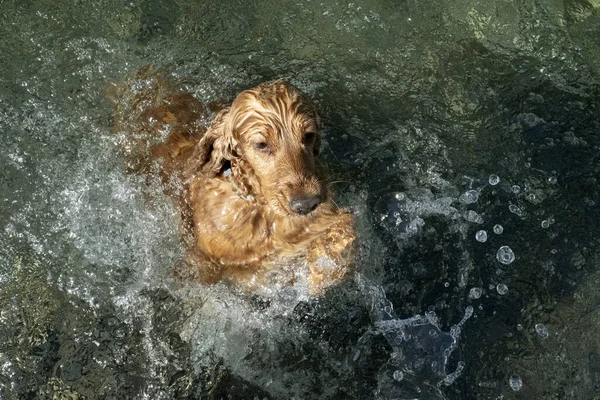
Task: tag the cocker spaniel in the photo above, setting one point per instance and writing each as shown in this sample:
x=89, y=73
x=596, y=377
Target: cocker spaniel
x=252, y=192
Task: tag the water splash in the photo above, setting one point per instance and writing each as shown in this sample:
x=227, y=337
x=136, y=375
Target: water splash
x=417, y=366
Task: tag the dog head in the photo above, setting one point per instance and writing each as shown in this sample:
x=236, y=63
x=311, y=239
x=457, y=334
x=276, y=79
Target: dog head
x=267, y=143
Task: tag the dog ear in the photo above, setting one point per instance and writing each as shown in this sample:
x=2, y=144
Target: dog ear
x=214, y=149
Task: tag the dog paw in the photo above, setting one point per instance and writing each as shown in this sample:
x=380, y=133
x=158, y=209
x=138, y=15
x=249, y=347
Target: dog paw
x=330, y=255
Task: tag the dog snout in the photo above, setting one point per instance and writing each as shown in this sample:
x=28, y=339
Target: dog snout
x=305, y=205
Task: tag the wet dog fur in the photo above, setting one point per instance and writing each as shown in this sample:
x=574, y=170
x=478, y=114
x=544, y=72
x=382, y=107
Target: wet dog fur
x=248, y=180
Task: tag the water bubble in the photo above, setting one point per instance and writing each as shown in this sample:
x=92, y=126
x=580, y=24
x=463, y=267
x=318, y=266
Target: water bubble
x=552, y=180
x=472, y=216
x=545, y=224
x=469, y=197
x=502, y=289
x=398, y=375
x=515, y=210
x=498, y=229
x=475, y=293
x=542, y=331
x=494, y=179
x=516, y=189
x=515, y=382
x=481, y=236
x=505, y=255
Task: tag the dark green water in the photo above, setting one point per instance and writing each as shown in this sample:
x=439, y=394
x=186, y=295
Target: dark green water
x=424, y=104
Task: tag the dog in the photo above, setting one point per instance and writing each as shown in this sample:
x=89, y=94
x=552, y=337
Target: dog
x=252, y=192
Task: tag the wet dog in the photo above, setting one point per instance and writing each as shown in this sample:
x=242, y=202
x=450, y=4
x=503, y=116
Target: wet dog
x=249, y=184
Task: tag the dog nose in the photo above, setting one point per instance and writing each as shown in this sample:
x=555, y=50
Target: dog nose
x=304, y=205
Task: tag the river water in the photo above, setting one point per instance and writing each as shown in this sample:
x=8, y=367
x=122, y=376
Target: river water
x=464, y=135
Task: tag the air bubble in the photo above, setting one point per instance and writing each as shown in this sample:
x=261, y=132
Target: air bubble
x=515, y=382
x=505, y=255
x=515, y=210
x=502, y=289
x=552, y=180
x=494, y=179
x=498, y=229
x=542, y=331
x=472, y=216
x=398, y=375
x=516, y=189
x=469, y=197
x=475, y=293
x=481, y=236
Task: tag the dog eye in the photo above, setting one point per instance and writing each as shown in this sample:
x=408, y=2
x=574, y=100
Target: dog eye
x=309, y=138
x=262, y=146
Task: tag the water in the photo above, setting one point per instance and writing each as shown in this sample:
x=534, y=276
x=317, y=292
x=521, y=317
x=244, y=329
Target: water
x=434, y=114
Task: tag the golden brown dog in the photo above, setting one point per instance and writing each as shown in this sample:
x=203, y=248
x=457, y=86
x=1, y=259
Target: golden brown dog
x=251, y=190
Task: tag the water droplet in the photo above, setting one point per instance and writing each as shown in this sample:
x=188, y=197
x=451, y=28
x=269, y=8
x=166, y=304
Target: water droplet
x=545, y=224
x=498, y=229
x=475, y=293
x=515, y=210
x=502, y=289
x=505, y=255
x=398, y=375
x=472, y=216
x=516, y=189
x=515, y=382
x=542, y=331
x=494, y=179
x=469, y=197
x=552, y=180
x=481, y=236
